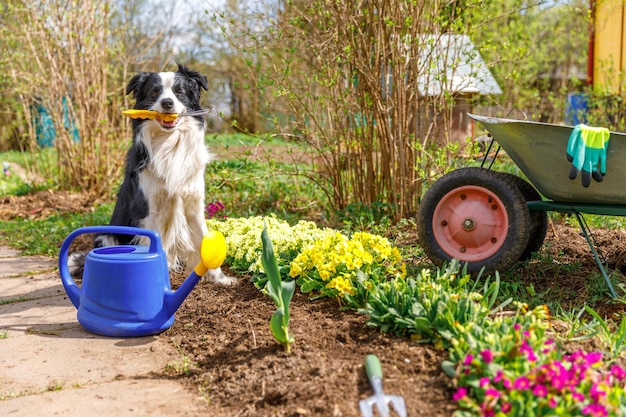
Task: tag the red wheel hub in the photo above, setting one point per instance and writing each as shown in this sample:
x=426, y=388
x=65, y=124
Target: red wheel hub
x=470, y=223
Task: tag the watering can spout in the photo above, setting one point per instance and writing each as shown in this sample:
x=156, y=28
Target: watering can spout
x=212, y=255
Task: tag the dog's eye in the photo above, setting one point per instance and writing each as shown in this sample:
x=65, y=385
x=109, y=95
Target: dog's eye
x=179, y=89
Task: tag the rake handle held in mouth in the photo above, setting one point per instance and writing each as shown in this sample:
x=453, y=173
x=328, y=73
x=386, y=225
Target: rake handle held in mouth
x=165, y=117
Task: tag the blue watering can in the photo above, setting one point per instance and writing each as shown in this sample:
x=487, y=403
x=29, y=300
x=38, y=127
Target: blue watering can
x=125, y=290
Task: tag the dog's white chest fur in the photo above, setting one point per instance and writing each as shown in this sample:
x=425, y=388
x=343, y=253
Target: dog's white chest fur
x=173, y=185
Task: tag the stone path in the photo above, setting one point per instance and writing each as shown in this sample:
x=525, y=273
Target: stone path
x=50, y=366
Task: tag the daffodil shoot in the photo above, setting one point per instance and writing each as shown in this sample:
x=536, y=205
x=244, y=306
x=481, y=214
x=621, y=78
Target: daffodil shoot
x=280, y=292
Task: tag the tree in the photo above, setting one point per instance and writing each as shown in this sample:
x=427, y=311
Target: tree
x=537, y=50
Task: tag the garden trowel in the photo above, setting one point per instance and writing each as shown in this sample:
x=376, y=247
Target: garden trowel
x=381, y=400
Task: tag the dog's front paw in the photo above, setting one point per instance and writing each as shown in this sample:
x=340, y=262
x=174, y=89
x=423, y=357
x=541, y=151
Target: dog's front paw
x=218, y=276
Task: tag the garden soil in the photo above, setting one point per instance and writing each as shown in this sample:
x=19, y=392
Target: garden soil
x=228, y=355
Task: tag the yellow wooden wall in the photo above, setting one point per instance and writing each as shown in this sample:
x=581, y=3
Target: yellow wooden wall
x=609, y=58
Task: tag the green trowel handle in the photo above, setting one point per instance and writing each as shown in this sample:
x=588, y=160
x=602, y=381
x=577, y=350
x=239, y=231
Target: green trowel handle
x=372, y=367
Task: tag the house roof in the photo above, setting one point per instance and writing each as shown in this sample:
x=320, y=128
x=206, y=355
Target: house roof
x=451, y=63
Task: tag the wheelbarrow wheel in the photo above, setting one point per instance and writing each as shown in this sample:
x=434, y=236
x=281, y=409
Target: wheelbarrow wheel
x=476, y=216
x=538, y=219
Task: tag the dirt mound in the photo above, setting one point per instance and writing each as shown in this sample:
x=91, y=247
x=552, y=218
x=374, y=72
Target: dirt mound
x=42, y=204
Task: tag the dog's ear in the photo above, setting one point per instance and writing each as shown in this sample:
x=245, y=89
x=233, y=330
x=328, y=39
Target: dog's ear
x=135, y=83
x=200, y=79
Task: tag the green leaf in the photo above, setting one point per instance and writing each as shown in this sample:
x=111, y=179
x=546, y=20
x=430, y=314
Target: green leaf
x=271, y=268
x=288, y=288
x=278, y=327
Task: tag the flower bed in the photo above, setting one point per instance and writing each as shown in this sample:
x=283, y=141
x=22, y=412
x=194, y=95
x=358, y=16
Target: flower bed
x=501, y=364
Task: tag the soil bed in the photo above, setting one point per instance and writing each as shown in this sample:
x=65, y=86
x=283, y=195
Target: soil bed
x=244, y=372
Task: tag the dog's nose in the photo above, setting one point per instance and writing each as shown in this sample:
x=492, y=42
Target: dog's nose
x=167, y=103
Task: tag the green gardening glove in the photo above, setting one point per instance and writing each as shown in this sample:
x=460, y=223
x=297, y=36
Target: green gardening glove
x=586, y=150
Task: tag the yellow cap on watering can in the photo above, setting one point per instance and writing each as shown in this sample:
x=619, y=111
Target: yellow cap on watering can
x=212, y=252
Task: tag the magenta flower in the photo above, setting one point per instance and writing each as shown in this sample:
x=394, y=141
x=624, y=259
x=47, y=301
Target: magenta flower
x=468, y=360
x=506, y=383
x=596, y=392
x=552, y=402
x=618, y=372
x=528, y=350
x=212, y=208
x=483, y=382
x=487, y=355
x=540, y=390
x=549, y=346
x=459, y=394
x=498, y=377
x=521, y=383
x=595, y=410
x=492, y=392
x=558, y=376
x=594, y=357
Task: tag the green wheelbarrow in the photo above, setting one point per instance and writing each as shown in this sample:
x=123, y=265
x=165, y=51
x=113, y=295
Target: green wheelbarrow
x=489, y=220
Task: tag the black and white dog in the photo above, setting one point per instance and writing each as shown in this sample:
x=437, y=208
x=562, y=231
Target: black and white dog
x=163, y=188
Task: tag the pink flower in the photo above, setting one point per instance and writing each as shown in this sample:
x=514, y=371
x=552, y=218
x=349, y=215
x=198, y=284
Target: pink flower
x=212, y=208
x=459, y=394
x=540, y=390
x=468, y=359
x=506, y=407
x=594, y=357
x=528, y=350
x=487, y=355
x=521, y=383
x=492, y=392
x=618, y=372
x=552, y=402
x=595, y=410
x=483, y=382
x=596, y=392
x=498, y=377
x=506, y=383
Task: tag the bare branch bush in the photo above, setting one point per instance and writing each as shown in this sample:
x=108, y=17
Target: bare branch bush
x=345, y=78
x=65, y=67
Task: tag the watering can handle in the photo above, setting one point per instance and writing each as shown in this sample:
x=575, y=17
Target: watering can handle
x=70, y=286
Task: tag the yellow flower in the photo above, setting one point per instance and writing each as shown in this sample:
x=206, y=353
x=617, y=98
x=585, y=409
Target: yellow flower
x=342, y=284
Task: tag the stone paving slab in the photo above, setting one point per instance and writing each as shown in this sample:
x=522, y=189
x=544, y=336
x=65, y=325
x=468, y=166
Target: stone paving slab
x=38, y=316
x=10, y=266
x=6, y=252
x=49, y=365
x=30, y=287
x=74, y=357
x=133, y=397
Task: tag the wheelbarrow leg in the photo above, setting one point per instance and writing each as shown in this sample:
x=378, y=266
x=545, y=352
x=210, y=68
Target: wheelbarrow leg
x=586, y=233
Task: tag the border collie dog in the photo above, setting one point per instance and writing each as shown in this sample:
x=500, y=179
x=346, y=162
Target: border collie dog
x=163, y=188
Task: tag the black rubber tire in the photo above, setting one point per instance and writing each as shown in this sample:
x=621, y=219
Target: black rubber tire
x=471, y=220
x=538, y=219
